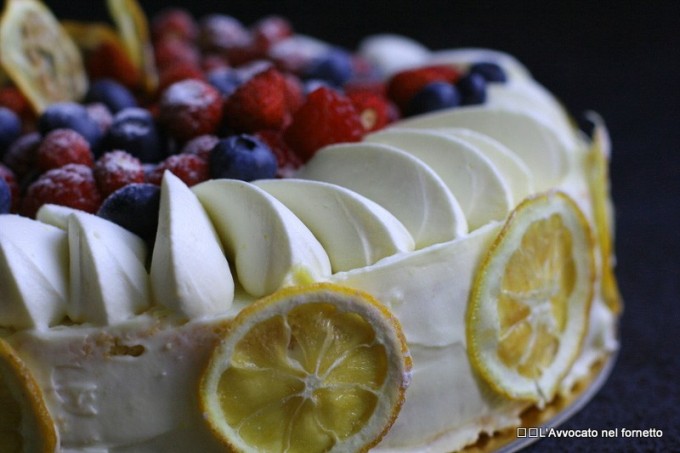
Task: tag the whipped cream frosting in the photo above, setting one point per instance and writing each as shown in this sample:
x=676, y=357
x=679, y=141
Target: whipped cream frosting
x=124, y=377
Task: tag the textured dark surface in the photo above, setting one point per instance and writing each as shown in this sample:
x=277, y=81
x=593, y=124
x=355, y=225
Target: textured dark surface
x=621, y=59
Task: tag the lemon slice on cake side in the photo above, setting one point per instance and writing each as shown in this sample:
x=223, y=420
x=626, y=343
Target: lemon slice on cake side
x=319, y=368
x=598, y=177
x=39, y=56
x=25, y=422
x=530, y=303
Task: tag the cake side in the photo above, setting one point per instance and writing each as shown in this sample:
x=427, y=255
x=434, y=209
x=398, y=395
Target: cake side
x=409, y=215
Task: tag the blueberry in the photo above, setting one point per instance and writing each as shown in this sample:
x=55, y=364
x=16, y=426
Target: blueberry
x=5, y=197
x=490, y=71
x=472, y=89
x=135, y=208
x=112, y=94
x=335, y=67
x=242, y=157
x=10, y=128
x=69, y=115
x=134, y=130
x=434, y=96
x=226, y=80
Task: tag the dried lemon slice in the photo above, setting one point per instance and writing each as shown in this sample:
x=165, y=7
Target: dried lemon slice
x=25, y=423
x=134, y=31
x=598, y=177
x=529, y=306
x=307, y=369
x=39, y=56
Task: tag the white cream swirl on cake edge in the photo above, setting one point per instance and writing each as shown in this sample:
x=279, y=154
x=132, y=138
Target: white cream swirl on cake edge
x=422, y=270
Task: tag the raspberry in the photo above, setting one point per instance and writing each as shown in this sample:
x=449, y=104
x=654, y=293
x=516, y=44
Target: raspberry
x=190, y=108
x=375, y=111
x=12, y=98
x=259, y=103
x=171, y=50
x=117, y=169
x=286, y=159
x=72, y=185
x=270, y=30
x=176, y=23
x=8, y=176
x=61, y=147
x=325, y=118
x=190, y=168
x=201, y=146
x=404, y=85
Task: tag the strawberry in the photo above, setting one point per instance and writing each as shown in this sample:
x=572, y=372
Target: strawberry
x=402, y=86
x=61, y=147
x=190, y=108
x=325, y=118
x=72, y=185
x=374, y=110
x=190, y=168
x=117, y=169
x=259, y=103
x=286, y=159
x=171, y=50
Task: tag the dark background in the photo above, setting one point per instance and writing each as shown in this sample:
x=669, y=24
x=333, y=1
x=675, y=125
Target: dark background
x=621, y=59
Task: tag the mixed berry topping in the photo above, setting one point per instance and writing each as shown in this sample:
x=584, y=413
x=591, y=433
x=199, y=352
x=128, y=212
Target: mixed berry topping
x=231, y=101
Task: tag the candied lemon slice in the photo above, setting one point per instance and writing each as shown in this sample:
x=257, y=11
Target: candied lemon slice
x=39, y=56
x=319, y=368
x=25, y=423
x=598, y=177
x=530, y=302
x=134, y=32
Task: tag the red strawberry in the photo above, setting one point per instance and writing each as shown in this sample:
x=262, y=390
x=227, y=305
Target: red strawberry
x=405, y=84
x=117, y=169
x=286, y=159
x=375, y=110
x=325, y=118
x=61, y=147
x=10, y=179
x=190, y=168
x=259, y=103
x=190, y=108
x=72, y=185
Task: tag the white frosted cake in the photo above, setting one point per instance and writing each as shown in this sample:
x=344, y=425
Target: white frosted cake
x=473, y=242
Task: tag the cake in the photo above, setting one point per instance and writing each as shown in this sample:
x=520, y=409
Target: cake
x=393, y=250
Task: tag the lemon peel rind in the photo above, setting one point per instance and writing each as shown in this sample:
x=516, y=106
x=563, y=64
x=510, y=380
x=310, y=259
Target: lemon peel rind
x=12, y=368
x=285, y=300
x=543, y=389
